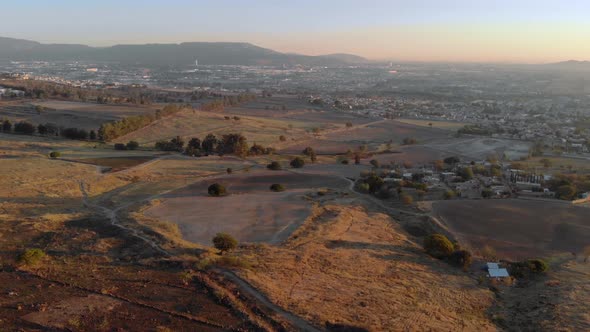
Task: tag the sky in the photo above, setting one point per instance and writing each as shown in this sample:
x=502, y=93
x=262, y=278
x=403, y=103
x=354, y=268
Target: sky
x=510, y=31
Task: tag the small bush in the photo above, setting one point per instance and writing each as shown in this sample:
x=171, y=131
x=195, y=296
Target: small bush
x=55, y=154
x=407, y=199
x=344, y=162
x=276, y=187
x=229, y=170
x=538, y=265
x=224, y=242
x=297, y=162
x=31, y=257
x=438, y=246
x=274, y=166
x=216, y=190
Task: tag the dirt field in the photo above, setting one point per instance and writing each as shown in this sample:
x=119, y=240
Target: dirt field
x=355, y=268
x=251, y=212
x=449, y=125
x=517, y=229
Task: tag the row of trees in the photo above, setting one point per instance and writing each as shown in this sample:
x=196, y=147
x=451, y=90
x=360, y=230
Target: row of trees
x=234, y=143
x=221, y=103
x=112, y=130
x=47, y=129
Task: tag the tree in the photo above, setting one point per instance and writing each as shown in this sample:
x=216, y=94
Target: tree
x=209, y=144
x=178, y=142
x=257, y=149
x=42, y=129
x=537, y=265
x=282, y=138
x=409, y=141
x=407, y=199
x=6, y=126
x=449, y=194
x=233, y=144
x=374, y=163
x=308, y=151
x=461, y=258
x=92, y=135
x=120, y=146
x=451, y=160
x=546, y=162
x=274, y=166
x=31, y=257
x=586, y=253
x=566, y=192
x=357, y=159
x=276, y=187
x=297, y=162
x=487, y=193
x=438, y=246
x=224, y=242
x=466, y=173
x=55, y=154
x=24, y=127
x=216, y=190
x=132, y=145
x=229, y=170
x=313, y=157
x=349, y=125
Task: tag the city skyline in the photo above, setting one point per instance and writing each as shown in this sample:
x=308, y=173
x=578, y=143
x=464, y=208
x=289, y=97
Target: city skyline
x=453, y=31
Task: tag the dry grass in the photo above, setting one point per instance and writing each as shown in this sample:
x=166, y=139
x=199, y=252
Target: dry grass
x=349, y=266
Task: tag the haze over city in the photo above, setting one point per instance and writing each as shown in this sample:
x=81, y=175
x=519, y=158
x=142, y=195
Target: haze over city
x=426, y=30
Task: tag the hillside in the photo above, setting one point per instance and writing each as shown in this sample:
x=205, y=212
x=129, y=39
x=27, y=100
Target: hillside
x=207, y=53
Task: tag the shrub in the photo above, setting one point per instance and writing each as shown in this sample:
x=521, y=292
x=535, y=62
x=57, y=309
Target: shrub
x=132, y=145
x=55, y=154
x=307, y=151
x=120, y=146
x=275, y=166
x=229, y=170
x=461, y=258
x=31, y=257
x=438, y=246
x=344, y=162
x=537, y=265
x=449, y=194
x=297, y=162
x=276, y=187
x=216, y=190
x=224, y=242
x=282, y=138
x=407, y=199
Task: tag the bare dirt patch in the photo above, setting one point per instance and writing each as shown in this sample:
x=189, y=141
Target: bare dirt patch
x=251, y=212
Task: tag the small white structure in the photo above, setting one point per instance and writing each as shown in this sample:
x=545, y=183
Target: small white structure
x=495, y=271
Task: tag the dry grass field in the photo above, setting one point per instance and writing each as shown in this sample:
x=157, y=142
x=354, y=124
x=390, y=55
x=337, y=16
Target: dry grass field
x=517, y=229
x=449, y=125
x=349, y=266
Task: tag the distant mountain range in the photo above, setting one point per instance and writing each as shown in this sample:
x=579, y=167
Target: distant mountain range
x=570, y=64
x=207, y=53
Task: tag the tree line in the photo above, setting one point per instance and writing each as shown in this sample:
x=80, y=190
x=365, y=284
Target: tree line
x=47, y=129
x=234, y=143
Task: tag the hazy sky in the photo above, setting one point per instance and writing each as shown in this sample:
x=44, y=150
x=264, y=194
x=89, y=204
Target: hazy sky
x=419, y=30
